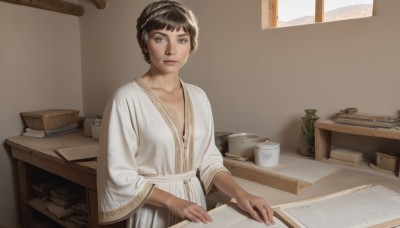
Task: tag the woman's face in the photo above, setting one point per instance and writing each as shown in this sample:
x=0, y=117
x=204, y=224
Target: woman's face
x=168, y=50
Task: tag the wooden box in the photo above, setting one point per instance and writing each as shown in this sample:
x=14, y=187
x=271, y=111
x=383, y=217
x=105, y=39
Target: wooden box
x=50, y=119
x=387, y=162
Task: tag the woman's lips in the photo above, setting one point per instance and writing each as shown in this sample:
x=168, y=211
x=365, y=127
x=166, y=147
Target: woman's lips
x=170, y=62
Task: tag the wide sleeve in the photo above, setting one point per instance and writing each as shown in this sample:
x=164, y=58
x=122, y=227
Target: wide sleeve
x=121, y=190
x=212, y=163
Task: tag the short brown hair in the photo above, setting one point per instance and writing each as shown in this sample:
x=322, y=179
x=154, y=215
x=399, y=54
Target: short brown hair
x=166, y=14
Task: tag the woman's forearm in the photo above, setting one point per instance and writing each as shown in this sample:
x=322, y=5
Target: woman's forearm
x=225, y=183
x=159, y=198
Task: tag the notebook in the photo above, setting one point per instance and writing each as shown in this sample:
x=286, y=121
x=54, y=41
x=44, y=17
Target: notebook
x=78, y=153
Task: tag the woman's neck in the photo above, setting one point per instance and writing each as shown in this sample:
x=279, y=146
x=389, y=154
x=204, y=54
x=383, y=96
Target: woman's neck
x=167, y=82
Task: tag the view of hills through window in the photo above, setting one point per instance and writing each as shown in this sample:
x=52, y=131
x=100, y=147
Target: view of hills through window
x=295, y=12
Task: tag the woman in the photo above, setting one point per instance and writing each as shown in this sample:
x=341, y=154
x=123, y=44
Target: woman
x=157, y=156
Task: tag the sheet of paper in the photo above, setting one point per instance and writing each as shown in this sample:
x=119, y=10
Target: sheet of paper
x=363, y=208
x=301, y=169
x=229, y=216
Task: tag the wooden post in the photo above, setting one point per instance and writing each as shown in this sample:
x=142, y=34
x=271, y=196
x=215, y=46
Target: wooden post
x=322, y=143
x=101, y=4
x=319, y=11
x=273, y=13
x=24, y=193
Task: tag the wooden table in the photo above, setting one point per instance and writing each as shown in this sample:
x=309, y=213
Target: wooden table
x=35, y=154
x=35, y=159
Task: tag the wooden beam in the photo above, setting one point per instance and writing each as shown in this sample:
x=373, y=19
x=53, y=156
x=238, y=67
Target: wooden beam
x=265, y=14
x=273, y=13
x=52, y=5
x=101, y=4
x=319, y=11
x=249, y=171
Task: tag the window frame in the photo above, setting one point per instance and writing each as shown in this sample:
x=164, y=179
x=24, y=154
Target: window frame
x=273, y=12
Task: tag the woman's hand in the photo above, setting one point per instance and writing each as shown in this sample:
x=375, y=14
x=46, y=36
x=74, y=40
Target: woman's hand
x=179, y=207
x=256, y=206
x=187, y=210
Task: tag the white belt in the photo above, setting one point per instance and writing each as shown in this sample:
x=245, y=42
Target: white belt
x=170, y=179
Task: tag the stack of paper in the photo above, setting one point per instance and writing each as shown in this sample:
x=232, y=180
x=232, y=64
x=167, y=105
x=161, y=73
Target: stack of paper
x=346, y=156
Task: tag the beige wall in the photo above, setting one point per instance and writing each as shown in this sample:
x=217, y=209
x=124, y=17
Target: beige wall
x=40, y=68
x=262, y=80
x=257, y=80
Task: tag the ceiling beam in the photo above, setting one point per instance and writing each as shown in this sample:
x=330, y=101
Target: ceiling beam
x=101, y=4
x=52, y=5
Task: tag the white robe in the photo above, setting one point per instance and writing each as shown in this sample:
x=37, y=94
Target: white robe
x=141, y=147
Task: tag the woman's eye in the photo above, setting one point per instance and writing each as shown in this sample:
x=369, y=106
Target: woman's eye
x=159, y=39
x=182, y=41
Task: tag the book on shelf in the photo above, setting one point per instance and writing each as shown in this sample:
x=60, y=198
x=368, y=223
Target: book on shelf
x=368, y=120
x=51, y=133
x=363, y=206
x=370, y=117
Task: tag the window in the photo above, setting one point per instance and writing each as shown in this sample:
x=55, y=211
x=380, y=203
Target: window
x=283, y=13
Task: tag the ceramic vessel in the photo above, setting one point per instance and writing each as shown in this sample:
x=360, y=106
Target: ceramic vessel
x=243, y=144
x=266, y=154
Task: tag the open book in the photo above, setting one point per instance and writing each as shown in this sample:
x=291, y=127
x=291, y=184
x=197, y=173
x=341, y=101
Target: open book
x=364, y=206
x=229, y=215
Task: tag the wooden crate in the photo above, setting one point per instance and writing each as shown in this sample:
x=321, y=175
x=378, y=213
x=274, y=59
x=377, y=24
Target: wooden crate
x=387, y=162
x=50, y=119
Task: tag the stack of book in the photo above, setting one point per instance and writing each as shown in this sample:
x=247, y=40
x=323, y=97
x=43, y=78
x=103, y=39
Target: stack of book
x=368, y=120
x=67, y=201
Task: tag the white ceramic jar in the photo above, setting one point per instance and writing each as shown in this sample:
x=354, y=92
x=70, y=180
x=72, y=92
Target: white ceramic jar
x=95, y=129
x=87, y=125
x=266, y=154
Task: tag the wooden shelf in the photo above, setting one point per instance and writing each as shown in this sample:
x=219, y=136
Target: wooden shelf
x=36, y=159
x=357, y=130
x=324, y=129
x=38, y=205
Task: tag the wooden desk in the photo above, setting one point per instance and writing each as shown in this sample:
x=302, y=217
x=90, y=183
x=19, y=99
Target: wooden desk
x=324, y=129
x=38, y=154
x=35, y=158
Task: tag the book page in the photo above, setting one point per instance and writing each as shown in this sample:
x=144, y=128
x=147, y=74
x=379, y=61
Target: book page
x=362, y=208
x=229, y=215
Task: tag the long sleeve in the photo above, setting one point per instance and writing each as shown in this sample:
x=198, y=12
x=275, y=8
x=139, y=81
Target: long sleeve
x=121, y=190
x=212, y=162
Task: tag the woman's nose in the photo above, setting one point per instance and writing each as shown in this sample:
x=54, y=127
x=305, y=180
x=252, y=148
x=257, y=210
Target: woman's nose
x=171, y=49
